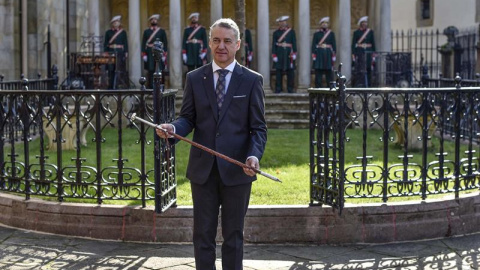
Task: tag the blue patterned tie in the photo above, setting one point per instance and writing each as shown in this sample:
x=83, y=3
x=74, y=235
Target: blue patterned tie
x=220, y=89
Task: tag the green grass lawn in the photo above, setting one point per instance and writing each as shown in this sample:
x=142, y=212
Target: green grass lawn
x=286, y=156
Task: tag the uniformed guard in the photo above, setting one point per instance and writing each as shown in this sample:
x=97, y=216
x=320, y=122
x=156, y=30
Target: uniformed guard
x=323, y=52
x=248, y=48
x=195, y=43
x=284, y=53
x=150, y=35
x=116, y=42
x=363, y=48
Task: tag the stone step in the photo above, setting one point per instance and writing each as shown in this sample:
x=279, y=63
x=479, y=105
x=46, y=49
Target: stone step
x=287, y=114
x=287, y=123
x=294, y=97
x=286, y=105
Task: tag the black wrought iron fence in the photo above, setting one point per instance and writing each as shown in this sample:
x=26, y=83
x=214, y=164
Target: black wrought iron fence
x=66, y=155
x=399, y=142
x=426, y=47
x=423, y=47
x=23, y=84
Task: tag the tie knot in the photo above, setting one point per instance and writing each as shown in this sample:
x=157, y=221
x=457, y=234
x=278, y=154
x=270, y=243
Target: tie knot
x=223, y=72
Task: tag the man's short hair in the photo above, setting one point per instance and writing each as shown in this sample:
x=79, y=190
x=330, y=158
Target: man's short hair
x=226, y=23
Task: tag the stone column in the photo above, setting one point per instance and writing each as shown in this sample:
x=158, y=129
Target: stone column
x=263, y=42
x=93, y=18
x=383, y=39
x=385, y=31
x=215, y=10
x=344, y=51
x=24, y=39
x=134, y=40
x=175, y=45
x=303, y=44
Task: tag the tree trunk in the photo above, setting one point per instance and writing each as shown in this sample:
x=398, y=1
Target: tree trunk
x=240, y=20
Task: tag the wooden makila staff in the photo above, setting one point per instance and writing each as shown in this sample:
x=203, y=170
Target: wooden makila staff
x=134, y=117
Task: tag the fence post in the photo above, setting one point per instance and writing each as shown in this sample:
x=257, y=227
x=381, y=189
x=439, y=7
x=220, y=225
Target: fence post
x=341, y=137
x=24, y=115
x=458, y=114
x=157, y=118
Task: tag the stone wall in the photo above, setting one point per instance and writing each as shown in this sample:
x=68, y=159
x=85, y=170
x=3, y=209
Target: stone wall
x=373, y=223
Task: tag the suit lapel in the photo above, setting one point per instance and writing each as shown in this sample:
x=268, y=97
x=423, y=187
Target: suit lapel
x=234, y=84
x=208, y=86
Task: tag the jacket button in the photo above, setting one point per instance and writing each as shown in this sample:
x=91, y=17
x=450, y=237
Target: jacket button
x=218, y=134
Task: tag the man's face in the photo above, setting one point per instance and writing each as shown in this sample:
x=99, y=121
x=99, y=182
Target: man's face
x=282, y=24
x=223, y=45
x=324, y=25
x=153, y=21
x=115, y=24
x=364, y=24
x=194, y=19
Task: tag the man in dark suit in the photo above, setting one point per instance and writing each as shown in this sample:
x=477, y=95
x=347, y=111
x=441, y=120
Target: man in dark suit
x=231, y=122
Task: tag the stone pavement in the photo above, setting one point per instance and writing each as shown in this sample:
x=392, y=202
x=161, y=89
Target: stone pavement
x=21, y=249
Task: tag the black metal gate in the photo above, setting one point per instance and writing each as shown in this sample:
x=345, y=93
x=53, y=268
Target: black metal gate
x=327, y=148
x=164, y=112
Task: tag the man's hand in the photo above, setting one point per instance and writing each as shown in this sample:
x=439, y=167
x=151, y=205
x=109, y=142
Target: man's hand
x=275, y=59
x=164, y=135
x=252, y=162
x=145, y=58
x=202, y=55
x=184, y=57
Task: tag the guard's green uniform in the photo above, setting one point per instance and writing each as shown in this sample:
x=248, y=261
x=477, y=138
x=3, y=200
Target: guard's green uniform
x=147, y=44
x=195, y=46
x=323, y=54
x=285, y=50
x=119, y=46
x=248, y=48
x=363, y=52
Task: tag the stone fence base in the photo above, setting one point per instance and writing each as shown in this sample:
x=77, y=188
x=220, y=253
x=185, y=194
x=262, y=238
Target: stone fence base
x=372, y=223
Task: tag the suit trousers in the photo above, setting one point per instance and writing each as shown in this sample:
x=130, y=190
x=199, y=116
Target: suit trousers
x=207, y=199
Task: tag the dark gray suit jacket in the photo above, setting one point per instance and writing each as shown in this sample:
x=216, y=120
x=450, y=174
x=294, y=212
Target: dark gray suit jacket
x=239, y=130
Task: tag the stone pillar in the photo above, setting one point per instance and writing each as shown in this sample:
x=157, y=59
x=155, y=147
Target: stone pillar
x=134, y=41
x=447, y=52
x=263, y=42
x=93, y=18
x=24, y=39
x=304, y=43
x=215, y=10
x=344, y=51
x=383, y=39
x=175, y=45
x=385, y=29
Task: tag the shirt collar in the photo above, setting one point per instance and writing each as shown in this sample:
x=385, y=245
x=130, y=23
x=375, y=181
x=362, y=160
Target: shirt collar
x=230, y=67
